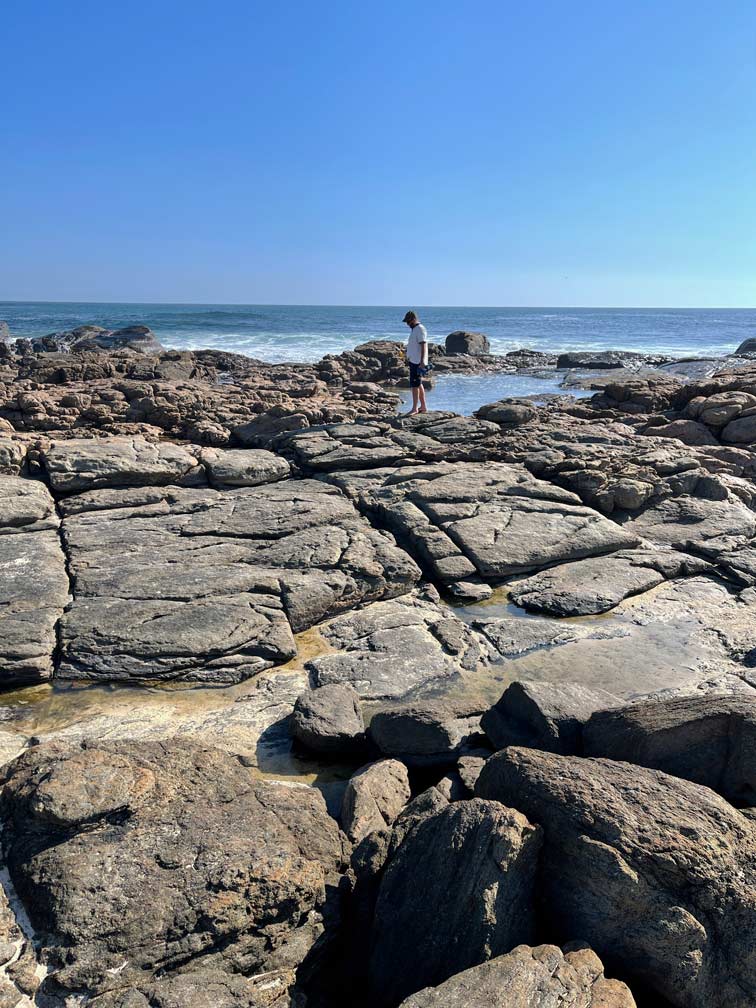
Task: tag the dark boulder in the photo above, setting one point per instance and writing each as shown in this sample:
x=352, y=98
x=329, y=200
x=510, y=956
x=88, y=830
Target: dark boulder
x=459, y=890
x=656, y=873
x=707, y=739
x=747, y=347
x=546, y=716
x=329, y=720
x=138, y=860
x=460, y=342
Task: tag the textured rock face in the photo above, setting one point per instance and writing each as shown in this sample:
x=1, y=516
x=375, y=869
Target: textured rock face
x=707, y=739
x=544, y=716
x=243, y=468
x=235, y=868
x=690, y=521
x=540, y=977
x=490, y=520
x=427, y=437
x=425, y=732
x=121, y=462
x=656, y=873
x=598, y=584
x=374, y=798
x=209, y=586
x=458, y=891
x=33, y=581
x=211, y=989
x=329, y=720
x=405, y=647
x=461, y=342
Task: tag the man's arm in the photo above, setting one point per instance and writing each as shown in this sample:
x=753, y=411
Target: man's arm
x=423, y=341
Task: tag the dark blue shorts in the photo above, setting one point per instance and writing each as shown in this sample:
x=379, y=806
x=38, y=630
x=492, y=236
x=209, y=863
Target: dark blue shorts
x=415, y=377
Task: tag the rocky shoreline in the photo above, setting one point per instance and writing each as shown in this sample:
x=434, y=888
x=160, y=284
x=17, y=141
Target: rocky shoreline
x=311, y=704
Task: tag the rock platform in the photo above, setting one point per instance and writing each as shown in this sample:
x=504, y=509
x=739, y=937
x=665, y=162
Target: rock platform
x=302, y=698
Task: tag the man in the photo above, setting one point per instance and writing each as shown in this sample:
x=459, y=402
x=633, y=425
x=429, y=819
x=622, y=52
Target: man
x=417, y=356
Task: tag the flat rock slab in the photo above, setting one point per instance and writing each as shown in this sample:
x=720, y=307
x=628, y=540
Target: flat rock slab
x=25, y=506
x=527, y=977
x=405, y=647
x=33, y=593
x=691, y=521
x=210, y=585
x=272, y=989
x=88, y=463
x=34, y=586
x=235, y=868
x=678, y=634
x=656, y=873
x=427, y=437
x=251, y=467
x=492, y=520
x=597, y=584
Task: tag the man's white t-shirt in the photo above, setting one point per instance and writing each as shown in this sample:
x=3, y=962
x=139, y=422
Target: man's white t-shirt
x=417, y=337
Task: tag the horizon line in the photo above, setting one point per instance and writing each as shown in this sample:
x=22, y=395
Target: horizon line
x=273, y=304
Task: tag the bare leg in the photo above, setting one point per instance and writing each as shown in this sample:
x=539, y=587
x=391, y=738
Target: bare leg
x=421, y=396
x=415, y=397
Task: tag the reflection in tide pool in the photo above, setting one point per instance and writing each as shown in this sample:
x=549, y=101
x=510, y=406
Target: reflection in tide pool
x=467, y=393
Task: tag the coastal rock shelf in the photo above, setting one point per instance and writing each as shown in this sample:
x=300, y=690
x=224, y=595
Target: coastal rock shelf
x=411, y=698
x=210, y=585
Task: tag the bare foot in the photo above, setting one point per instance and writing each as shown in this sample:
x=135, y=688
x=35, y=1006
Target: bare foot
x=422, y=410
x=412, y=412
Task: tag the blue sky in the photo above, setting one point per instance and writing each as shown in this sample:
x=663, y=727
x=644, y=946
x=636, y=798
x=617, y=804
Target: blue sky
x=434, y=153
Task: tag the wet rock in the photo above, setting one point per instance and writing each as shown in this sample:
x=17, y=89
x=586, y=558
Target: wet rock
x=119, y=462
x=396, y=649
x=528, y=977
x=458, y=890
x=684, y=632
x=374, y=797
x=138, y=338
x=329, y=720
x=209, y=586
x=236, y=868
x=460, y=342
x=243, y=468
x=542, y=716
x=708, y=739
x=748, y=346
x=598, y=584
x=654, y=872
x=592, y=360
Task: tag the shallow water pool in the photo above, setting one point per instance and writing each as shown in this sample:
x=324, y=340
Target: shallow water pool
x=466, y=393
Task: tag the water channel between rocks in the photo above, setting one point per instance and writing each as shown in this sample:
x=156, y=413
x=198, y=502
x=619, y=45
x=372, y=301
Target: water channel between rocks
x=250, y=718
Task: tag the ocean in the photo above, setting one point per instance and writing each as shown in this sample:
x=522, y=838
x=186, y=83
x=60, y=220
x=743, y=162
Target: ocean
x=301, y=333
